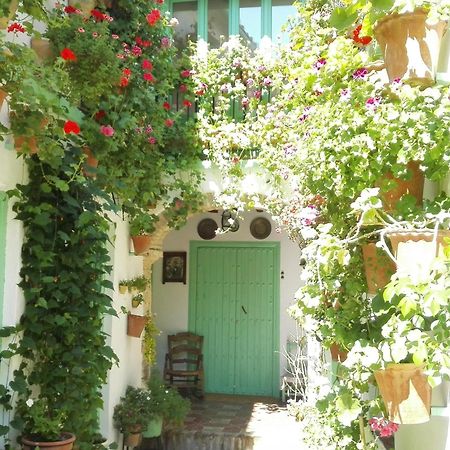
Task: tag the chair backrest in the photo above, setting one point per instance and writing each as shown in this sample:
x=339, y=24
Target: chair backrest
x=185, y=348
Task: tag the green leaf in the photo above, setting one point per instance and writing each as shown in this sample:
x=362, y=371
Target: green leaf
x=348, y=408
x=382, y=5
x=342, y=18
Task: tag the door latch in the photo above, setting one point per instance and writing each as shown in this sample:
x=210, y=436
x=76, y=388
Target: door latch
x=243, y=309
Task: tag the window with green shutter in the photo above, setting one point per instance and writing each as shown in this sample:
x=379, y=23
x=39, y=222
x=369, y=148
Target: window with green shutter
x=215, y=20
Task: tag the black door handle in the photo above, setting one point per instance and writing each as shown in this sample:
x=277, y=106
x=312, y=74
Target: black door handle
x=243, y=309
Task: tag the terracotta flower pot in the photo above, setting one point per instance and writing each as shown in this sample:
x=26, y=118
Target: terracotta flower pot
x=132, y=439
x=415, y=251
x=90, y=164
x=337, y=353
x=412, y=186
x=406, y=393
x=141, y=243
x=12, y=10
x=42, y=48
x=135, y=325
x=28, y=144
x=410, y=46
x=3, y=95
x=378, y=267
x=66, y=443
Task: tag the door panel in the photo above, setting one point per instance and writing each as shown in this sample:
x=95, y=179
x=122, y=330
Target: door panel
x=234, y=305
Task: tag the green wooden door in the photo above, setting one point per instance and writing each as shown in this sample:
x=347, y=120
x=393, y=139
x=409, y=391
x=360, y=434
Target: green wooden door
x=234, y=305
x=3, y=215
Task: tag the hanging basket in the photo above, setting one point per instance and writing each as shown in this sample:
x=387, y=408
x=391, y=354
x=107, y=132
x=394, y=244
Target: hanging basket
x=410, y=46
x=141, y=243
x=42, y=48
x=406, y=393
x=66, y=443
x=378, y=267
x=412, y=186
x=135, y=325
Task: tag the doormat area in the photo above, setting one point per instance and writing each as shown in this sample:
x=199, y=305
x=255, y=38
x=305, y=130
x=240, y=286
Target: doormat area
x=222, y=422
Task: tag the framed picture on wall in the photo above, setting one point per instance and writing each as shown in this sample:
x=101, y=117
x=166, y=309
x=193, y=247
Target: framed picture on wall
x=174, y=267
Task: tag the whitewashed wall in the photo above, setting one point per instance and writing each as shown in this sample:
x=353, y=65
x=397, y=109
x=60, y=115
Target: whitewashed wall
x=170, y=300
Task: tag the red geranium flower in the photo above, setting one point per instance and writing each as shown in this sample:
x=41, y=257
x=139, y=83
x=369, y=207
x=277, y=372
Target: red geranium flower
x=124, y=81
x=186, y=73
x=98, y=15
x=166, y=106
x=182, y=88
x=71, y=127
x=364, y=40
x=168, y=123
x=153, y=17
x=187, y=103
x=148, y=77
x=71, y=10
x=68, y=54
x=147, y=65
x=99, y=115
x=16, y=27
x=126, y=72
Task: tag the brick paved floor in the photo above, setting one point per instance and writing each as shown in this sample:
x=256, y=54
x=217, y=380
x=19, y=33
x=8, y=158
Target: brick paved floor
x=221, y=422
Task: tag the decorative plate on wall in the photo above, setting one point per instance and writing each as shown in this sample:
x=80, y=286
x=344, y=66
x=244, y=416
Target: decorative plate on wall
x=206, y=229
x=260, y=228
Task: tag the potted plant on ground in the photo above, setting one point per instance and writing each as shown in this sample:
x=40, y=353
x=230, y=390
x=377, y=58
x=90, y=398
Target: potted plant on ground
x=166, y=406
x=131, y=415
x=42, y=426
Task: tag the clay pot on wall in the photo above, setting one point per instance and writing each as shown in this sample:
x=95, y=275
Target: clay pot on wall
x=66, y=443
x=135, y=325
x=410, y=46
x=378, y=267
x=337, y=353
x=406, y=393
x=141, y=243
x=90, y=164
x=412, y=186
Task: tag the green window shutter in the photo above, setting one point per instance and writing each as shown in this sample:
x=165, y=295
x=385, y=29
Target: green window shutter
x=3, y=214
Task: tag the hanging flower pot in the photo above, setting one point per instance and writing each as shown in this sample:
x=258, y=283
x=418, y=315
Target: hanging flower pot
x=3, y=95
x=378, y=267
x=90, y=164
x=141, y=243
x=135, y=325
x=406, y=393
x=410, y=46
x=338, y=353
x=123, y=288
x=42, y=48
x=412, y=186
x=414, y=251
x=66, y=443
x=12, y=10
x=25, y=144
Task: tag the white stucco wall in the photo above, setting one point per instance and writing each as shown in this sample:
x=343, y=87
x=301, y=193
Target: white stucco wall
x=170, y=301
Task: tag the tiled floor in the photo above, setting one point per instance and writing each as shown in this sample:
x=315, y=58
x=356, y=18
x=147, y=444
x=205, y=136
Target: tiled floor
x=222, y=422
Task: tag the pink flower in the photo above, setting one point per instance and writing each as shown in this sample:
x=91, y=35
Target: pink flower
x=137, y=51
x=94, y=34
x=182, y=88
x=185, y=73
x=244, y=102
x=373, y=102
x=360, y=74
x=107, y=130
x=115, y=36
x=319, y=64
x=152, y=140
x=81, y=30
x=165, y=42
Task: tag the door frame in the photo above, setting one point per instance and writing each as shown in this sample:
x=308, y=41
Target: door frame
x=192, y=283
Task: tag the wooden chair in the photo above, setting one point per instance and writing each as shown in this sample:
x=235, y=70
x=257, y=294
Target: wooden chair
x=184, y=362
